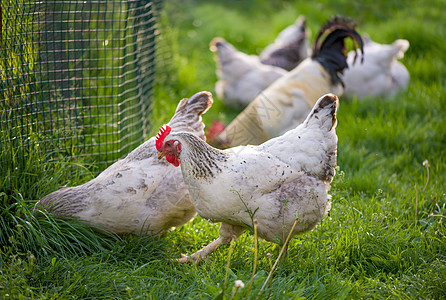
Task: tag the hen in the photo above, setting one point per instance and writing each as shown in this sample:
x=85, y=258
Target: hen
x=381, y=74
x=287, y=101
x=282, y=180
x=139, y=194
x=242, y=77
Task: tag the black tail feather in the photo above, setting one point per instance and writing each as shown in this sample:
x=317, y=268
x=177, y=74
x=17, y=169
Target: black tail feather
x=331, y=52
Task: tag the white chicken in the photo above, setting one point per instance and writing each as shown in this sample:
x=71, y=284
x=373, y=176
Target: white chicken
x=139, y=194
x=242, y=77
x=282, y=180
x=381, y=74
x=287, y=101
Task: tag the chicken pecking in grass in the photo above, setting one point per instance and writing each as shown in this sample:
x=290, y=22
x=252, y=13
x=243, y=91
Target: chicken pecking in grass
x=287, y=101
x=242, y=77
x=282, y=180
x=381, y=74
x=139, y=194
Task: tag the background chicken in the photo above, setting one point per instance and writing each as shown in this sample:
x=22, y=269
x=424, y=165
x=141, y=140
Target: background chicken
x=284, y=179
x=290, y=47
x=286, y=102
x=381, y=74
x=241, y=77
x=139, y=194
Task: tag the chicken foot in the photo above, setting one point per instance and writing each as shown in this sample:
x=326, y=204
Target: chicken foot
x=227, y=234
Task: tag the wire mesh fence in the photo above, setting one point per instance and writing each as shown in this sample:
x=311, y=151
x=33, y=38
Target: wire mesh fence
x=76, y=78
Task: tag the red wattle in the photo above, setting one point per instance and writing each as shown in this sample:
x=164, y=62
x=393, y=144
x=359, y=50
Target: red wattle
x=173, y=160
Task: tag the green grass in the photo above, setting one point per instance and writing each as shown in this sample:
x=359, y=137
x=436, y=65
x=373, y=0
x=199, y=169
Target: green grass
x=385, y=237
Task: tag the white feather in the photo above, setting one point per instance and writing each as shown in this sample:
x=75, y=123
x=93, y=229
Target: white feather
x=381, y=74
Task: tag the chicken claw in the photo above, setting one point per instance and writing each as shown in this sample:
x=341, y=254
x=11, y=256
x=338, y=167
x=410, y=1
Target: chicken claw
x=227, y=234
x=184, y=259
x=198, y=256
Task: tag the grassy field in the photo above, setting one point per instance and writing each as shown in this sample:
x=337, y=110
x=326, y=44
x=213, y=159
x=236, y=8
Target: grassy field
x=385, y=237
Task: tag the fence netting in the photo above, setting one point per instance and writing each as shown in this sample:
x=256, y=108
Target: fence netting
x=76, y=78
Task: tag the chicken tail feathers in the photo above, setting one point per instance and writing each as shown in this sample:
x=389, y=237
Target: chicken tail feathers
x=188, y=114
x=330, y=49
x=63, y=203
x=400, y=47
x=323, y=114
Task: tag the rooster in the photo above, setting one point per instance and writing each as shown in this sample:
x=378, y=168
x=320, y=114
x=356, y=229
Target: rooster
x=138, y=194
x=286, y=102
x=282, y=180
x=381, y=74
x=290, y=47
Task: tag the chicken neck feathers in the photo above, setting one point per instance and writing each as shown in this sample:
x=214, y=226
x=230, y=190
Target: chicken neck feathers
x=198, y=158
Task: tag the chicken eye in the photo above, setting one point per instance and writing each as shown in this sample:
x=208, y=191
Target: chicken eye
x=168, y=144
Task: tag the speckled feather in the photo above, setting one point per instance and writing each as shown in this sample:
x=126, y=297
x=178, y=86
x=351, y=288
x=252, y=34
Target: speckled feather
x=140, y=193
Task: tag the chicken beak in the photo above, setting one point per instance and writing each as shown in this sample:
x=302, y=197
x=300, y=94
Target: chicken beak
x=161, y=155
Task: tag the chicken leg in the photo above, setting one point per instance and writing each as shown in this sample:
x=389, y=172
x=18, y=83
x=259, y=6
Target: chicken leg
x=228, y=233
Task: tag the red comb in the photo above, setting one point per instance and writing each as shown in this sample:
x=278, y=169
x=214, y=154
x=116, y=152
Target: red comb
x=164, y=131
